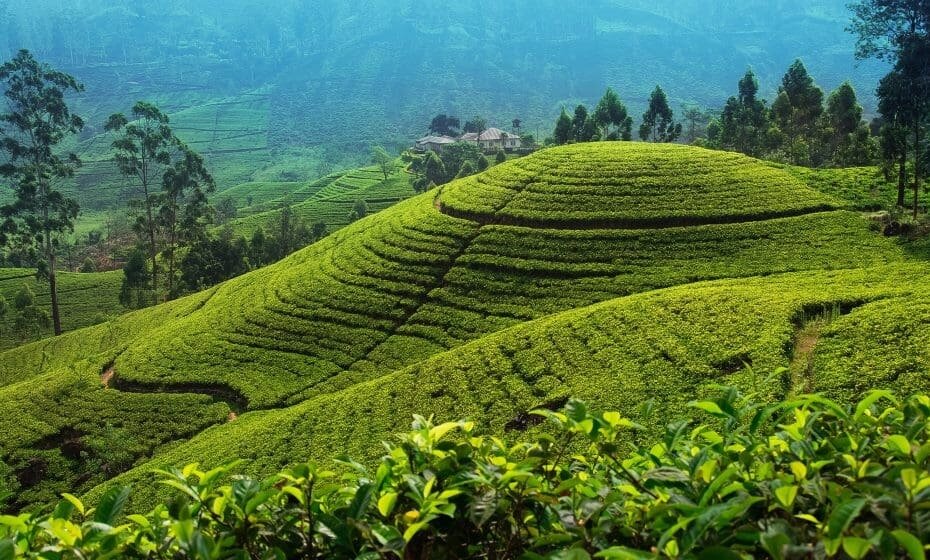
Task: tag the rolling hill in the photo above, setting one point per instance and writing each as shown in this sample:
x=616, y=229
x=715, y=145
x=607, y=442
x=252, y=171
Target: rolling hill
x=615, y=272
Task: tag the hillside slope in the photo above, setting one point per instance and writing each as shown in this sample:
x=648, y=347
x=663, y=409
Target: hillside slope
x=560, y=230
x=664, y=348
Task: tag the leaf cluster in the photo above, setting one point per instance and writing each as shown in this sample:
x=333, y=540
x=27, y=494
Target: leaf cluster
x=805, y=478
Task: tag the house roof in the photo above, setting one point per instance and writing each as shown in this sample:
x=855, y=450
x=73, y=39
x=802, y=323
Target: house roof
x=493, y=134
x=436, y=140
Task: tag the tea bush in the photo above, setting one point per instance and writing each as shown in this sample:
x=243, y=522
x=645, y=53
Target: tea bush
x=803, y=478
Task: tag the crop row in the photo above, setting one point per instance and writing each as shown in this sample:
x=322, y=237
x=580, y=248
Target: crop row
x=84, y=298
x=662, y=348
x=332, y=200
x=630, y=186
x=69, y=431
x=509, y=274
x=311, y=315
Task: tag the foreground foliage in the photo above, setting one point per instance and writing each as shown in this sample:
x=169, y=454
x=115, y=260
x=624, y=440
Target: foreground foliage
x=802, y=478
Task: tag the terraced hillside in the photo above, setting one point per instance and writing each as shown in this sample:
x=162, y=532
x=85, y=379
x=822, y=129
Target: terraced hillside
x=315, y=347
x=329, y=199
x=85, y=299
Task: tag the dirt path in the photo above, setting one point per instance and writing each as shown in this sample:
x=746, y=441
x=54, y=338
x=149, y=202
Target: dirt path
x=802, y=361
x=107, y=375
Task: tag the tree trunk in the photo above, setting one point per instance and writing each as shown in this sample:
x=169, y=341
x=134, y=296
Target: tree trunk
x=902, y=177
x=916, y=168
x=53, y=288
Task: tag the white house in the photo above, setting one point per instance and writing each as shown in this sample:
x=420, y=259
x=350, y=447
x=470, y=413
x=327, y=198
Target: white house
x=494, y=139
x=490, y=140
x=433, y=143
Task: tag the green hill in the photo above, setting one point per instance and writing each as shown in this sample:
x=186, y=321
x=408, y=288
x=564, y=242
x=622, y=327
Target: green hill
x=329, y=200
x=85, y=299
x=324, y=352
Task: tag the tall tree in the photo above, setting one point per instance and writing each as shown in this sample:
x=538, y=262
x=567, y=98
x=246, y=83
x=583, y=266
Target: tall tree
x=805, y=98
x=898, y=31
x=579, y=122
x=184, y=212
x=696, y=121
x=143, y=152
x=744, y=120
x=563, y=129
x=851, y=140
x=135, y=280
x=37, y=121
x=613, y=118
x=659, y=121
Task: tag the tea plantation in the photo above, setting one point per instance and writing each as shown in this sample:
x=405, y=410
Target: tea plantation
x=85, y=298
x=617, y=273
x=329, y=199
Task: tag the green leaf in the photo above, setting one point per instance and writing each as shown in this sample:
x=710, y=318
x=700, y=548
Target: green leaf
x=624, y=553
x=870, y=399
x=708, y=407
x=7, y=550
x=856, y=547
x=111, y=505
x=910, y=543
x=774, y=543
x=898, y=443
x=843, y=516
x=360, y=502
x=786, y=495
x=413, y=530
x=78, y=504
x=386, y=503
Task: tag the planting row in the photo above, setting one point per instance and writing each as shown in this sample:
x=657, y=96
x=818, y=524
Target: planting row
x=631, y=185
x=647, y=355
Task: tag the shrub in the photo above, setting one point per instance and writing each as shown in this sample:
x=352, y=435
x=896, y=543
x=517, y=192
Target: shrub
x=802, y=478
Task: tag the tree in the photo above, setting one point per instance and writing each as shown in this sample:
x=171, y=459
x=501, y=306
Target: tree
x=30, y=320
x=659, y=121
x=359, y=210
x=88, y=266
x=184, y=212
x=563, y=129
x=584, y=127
x=898, y=31
x=476, y=125
x=806, y=99
x=318, y=231
x=883, y=28
x=226, y=210
x=434, y=171
x=143, y=152
x=696, y=122
x=850, y=139
x=211, y=261
x=483, y=163
x=444, y=125
x=454, y=157
x=135, y=280
x=501, y=157
x=467, y=169
x=612, y=118
x=30, y=133
x=383, y=160
x=744, y=120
